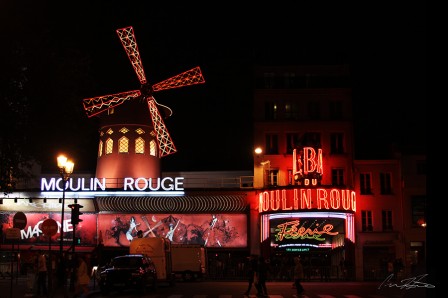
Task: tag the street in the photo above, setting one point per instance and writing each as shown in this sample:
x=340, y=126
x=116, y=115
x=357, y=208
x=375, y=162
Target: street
x=229, y=289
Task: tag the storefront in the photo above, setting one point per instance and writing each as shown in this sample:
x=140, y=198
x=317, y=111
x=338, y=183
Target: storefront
x=215, y=219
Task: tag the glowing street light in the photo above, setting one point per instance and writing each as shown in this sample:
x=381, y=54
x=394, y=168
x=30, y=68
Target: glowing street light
x=65, y=170
x=258, y=151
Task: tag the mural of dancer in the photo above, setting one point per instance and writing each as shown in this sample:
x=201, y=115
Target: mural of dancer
x=210, y=238
x=116, y=230
x=211, y=230
x=132, y=231
x=173, y=229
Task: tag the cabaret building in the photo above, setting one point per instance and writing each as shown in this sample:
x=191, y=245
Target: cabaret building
x=314, y=198
x=306, y=195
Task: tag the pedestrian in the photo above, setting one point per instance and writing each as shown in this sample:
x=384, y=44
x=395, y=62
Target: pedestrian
x=398, y=266
x=262, y=274
x=82, y=278
x=298, y=276
x=61, y=272
x=41, y=274
x=251, y=270
x=31, y=273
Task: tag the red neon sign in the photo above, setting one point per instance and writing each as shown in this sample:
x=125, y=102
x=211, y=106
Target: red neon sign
x=307, y=165
x=307, y=199
x=291, y=230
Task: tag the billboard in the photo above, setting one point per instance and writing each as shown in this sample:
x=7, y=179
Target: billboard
x=301, y=234
x=33, y=234
x=210, y=230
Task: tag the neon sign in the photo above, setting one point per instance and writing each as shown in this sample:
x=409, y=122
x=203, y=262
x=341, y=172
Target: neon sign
x=307, y=165
x=307, y=198
x=291, y=230
x=129, y=184
x=36, y=230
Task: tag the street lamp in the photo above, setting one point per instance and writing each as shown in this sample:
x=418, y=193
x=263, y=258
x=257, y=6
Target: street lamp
x=65, y=169
x=261, y=162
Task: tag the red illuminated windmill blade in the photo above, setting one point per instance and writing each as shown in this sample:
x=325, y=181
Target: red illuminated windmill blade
x=97, y=105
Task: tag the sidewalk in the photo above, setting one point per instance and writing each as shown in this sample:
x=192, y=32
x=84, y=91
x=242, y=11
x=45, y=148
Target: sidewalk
x=20, y=288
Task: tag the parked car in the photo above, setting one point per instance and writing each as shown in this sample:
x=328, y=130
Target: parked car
x=129, y=271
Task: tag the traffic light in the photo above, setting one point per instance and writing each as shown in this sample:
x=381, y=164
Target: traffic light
x=75, y=213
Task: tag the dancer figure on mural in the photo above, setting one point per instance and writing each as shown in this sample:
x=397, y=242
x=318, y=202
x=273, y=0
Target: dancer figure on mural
x=116, y=230
x=212, y=239
x=132, y=228
x=170, y=233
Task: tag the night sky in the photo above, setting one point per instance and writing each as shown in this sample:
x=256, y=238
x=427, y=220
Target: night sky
x=71, y=51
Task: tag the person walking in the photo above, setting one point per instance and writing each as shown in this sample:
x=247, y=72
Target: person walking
x=251, y=270
x=82, y=278
x=262, y=274
x=41, y=274
x=298, y=276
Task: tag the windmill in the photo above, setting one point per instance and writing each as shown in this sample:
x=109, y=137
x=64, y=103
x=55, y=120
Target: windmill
x=99, y=105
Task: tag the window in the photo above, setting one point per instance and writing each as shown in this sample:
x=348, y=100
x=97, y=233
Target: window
x=271, y=177
x=311, y=139
x=110, y=111
x=271, y=144
x=152, y=148
x=365, y=183
x=337, y=177
x=109, y=146
x=291, y=111
x=366, y=217
x=139, y=146
x=124, y=130
x=123, y=145
x=385, y=184
x=387, y=220
x=418, y=209
x=270, y=111
x=100, y=149
x=335, y=110
x=290, y=79
x=269, y=78
x=292, y=141
x=308, y=79
x=336, y=143
x=313, y=110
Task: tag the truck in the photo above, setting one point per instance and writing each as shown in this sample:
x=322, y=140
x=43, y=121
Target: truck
x=188, y=261
x=173, y=261
x=159, y=250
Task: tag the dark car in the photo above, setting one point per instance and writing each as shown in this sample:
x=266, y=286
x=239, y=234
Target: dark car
x=130, y=271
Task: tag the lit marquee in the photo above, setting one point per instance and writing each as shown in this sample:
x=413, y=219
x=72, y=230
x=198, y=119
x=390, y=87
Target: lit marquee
x=308, y=170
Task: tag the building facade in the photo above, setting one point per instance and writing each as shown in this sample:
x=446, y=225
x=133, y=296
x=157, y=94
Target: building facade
x=306, y=195
x=378, y=227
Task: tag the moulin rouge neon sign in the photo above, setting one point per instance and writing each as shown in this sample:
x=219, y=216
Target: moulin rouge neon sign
x=308, y=169
x=291, y=230
x=129, y=184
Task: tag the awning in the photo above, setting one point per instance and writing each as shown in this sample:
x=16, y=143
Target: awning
x=199, y=203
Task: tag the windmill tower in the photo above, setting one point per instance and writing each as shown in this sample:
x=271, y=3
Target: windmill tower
x=130, y=144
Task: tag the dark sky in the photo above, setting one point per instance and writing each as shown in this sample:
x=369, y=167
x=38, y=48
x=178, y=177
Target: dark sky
x=71, y=52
